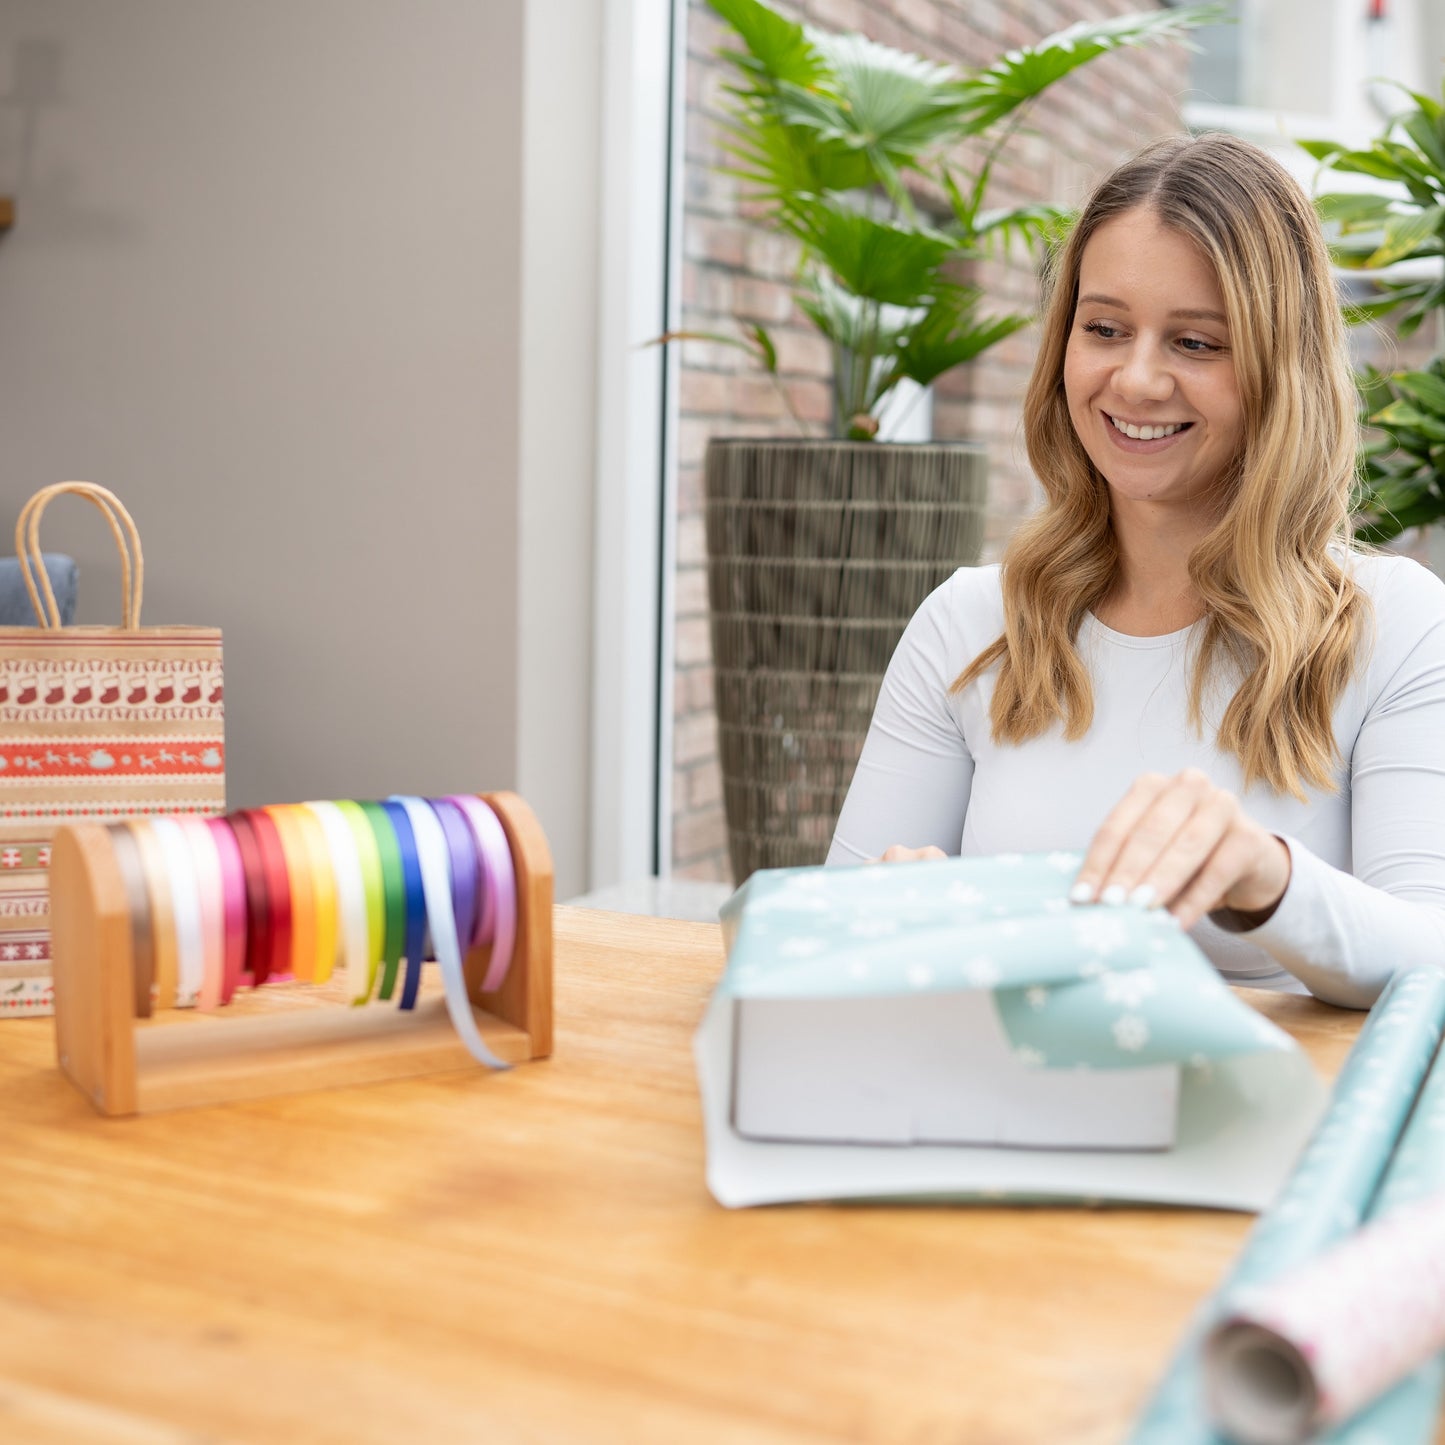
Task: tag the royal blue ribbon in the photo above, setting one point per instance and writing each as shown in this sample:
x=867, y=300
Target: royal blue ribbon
x=415, y=945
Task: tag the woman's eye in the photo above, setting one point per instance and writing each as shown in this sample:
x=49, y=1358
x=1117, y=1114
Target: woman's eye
x=1101, y=329
x=1196, y=345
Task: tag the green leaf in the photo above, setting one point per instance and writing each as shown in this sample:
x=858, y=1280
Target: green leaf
x=851, y=322
x=1402, y=415
x=949, y=334
x=756, y=343
x=1400, y=493
x=1321, y=150
x=1423, y=131
x=781, y=49
x=1020, y=75
x=1394, y=295
x=1376, y=391
x=1370, y=163
x=1392, y=524
x=894, y=264
x=886, y=99
x=1352, y=207
x=1024, y=225
x=766, y=349
x=1406, y=235
x=1425, y=389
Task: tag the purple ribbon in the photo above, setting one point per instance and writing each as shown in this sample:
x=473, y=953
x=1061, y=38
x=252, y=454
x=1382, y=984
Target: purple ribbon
x=497, y=921
x=466, y=867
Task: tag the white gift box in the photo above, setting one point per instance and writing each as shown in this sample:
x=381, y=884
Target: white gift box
x=956, y=1030
x=932, y=1069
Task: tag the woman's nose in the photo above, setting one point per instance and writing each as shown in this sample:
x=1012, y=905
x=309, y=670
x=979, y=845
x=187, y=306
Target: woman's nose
x=1143, y=375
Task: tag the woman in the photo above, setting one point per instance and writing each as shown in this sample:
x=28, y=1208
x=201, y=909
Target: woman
x=1182, y=666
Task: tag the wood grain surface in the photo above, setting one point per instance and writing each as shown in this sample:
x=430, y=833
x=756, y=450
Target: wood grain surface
x=533, y=1256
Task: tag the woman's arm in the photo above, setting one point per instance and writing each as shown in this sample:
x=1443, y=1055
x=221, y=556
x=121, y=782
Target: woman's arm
x=1188, y=844
x=913, y=778
x=1344, y=936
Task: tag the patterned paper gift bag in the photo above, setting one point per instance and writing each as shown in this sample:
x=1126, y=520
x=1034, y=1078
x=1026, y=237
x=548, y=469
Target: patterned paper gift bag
x=95, y=722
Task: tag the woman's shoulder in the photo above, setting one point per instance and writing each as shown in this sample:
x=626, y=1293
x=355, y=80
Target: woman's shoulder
x=967, y=607
x=1408, y=602
x=1399, y=586
x=955, y=622
x=971, y=591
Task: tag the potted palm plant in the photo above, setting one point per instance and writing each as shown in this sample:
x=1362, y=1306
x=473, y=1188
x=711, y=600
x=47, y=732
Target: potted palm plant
x=1401, y=229
x=819, y=551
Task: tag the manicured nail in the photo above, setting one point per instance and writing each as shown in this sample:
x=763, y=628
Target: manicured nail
x=1144, y=896
x=1081, y=893
x=1114, y=896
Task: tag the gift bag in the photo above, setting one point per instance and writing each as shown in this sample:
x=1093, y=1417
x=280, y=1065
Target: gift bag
x=96, y=723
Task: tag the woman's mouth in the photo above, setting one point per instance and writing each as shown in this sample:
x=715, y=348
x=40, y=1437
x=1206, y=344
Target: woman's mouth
x=1138, y=436
x=1147, y=433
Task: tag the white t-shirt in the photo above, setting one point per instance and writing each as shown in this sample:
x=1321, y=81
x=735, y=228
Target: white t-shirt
x=1367, y=891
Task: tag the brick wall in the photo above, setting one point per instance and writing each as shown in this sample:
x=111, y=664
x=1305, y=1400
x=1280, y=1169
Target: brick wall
x=735, y=271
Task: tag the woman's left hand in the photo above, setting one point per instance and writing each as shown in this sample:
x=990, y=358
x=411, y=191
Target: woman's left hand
x=1186, y=844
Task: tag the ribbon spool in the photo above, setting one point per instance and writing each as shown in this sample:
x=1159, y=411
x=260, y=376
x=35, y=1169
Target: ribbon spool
x=151, y=913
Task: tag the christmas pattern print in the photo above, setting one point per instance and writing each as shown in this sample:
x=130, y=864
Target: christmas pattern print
x=85, y=689
x=24, y=855
x=24, y=948
x=22, y=761
x=26, y=998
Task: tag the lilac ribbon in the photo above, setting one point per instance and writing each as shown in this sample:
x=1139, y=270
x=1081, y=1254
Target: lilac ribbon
x=499, y=914
x=466, y=868
x=432, y=855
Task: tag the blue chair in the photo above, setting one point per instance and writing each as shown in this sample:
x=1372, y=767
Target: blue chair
x=15, y=608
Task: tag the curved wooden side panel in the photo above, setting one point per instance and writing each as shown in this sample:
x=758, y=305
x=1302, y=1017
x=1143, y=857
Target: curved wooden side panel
x=525, y=998
x=90, y=942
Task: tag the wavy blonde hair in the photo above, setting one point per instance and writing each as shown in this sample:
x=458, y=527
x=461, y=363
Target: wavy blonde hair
x=1278, y=599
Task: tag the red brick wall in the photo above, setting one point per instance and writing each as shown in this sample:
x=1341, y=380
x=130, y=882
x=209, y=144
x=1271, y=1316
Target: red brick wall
x=735, y=271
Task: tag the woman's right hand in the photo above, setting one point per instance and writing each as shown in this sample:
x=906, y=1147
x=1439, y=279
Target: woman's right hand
x=899, y=854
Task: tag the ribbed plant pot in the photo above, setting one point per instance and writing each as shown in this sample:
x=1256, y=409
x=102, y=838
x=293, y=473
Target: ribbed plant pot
x=819, y=552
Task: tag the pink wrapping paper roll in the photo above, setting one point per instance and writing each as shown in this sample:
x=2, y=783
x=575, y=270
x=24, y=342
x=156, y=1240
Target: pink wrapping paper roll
x=1310, y=1349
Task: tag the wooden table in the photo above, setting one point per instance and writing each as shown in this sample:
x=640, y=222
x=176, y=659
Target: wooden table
x=534, y=1256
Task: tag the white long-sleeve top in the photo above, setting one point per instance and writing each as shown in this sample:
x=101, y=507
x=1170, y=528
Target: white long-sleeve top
x=1367, y=890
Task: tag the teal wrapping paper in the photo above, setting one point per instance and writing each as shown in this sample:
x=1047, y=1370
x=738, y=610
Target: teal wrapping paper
x=1407, y=1414
x=1073, y=987
x=1329, y=1190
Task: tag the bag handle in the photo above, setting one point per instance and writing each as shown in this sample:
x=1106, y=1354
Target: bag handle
x=122, y=528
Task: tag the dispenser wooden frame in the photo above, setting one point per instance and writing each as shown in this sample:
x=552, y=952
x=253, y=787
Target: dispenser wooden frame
x=186, y=1058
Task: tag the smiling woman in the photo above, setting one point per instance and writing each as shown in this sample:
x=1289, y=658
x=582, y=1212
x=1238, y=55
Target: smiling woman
x=1183, y=665
x=1148, y=373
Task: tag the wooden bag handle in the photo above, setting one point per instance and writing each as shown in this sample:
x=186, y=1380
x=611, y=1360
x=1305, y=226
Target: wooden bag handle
x=122, y=528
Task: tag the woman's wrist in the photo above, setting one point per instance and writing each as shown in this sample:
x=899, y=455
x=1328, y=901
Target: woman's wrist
x=1254, y=899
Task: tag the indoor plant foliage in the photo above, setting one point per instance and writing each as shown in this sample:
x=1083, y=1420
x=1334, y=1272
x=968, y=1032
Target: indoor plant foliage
x=834, y=135
x=1402, y=481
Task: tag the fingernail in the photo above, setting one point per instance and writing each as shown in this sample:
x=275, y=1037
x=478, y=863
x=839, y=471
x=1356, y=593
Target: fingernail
x=1081, y=893
x=1144, y=896
x=1114, y=895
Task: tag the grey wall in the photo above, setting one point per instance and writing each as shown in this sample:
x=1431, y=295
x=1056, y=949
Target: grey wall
x=264, y=284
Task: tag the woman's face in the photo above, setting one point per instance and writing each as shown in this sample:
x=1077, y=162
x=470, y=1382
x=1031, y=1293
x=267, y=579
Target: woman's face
x=1148, y=371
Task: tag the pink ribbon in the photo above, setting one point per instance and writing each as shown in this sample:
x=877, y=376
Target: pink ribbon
x=497, y=915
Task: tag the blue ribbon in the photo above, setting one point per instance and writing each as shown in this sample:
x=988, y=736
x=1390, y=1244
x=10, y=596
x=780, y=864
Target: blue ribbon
x=415, y=946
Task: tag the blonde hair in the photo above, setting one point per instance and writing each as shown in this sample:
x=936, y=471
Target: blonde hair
x=1278, y=600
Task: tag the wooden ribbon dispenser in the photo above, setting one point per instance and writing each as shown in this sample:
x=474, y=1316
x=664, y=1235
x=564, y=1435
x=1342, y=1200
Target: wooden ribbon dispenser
x=294, y=1036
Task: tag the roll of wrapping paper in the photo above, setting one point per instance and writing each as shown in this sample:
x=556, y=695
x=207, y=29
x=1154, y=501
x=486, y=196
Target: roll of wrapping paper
x=1407, y=1414
x=1308, y=1350
x=1327, y=1193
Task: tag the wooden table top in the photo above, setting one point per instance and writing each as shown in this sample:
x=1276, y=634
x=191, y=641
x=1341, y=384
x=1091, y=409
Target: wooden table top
x=534, y=1256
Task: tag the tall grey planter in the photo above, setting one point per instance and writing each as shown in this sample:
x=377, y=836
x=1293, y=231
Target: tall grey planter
x=818, y=554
